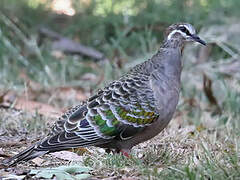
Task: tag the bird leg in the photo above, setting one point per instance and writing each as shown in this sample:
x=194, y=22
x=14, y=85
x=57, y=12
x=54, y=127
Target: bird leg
x=124, y=152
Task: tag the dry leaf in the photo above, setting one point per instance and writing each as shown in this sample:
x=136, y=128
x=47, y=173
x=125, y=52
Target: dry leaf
x=2, y=96
x=33, y=106
x=81, y=151
x=67, y=155
x=2, y=154
x=207, y=87
x=12, y=101
x=38, y=161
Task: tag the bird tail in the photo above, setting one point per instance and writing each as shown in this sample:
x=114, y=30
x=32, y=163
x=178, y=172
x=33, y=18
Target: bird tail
x=27, y=154
x=58, y=142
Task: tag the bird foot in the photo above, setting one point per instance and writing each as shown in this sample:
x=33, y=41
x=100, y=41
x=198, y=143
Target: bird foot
x=125, y=153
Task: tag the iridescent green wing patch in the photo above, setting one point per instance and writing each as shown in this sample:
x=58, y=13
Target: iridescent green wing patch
x=136, y=117
x=109, y=120
x=107, y=126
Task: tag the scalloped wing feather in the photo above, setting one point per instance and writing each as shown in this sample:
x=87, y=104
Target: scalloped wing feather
x=128, y=101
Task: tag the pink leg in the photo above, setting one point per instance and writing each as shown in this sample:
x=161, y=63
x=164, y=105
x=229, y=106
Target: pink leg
x=125, y=152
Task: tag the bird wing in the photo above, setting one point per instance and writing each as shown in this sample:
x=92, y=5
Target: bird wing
x=120, y=110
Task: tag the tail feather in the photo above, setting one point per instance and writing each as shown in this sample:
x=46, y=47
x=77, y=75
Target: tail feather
x=55, y=143
x=27, y=154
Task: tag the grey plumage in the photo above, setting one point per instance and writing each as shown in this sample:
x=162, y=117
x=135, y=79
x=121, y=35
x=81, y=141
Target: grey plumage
x=128, y=111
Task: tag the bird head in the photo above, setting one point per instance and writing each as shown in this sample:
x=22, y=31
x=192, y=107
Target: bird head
x=183, y=31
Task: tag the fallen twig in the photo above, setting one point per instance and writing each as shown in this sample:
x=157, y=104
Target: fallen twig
x=69, y=46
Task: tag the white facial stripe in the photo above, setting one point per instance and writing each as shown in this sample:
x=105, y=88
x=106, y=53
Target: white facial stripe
x=176, y=31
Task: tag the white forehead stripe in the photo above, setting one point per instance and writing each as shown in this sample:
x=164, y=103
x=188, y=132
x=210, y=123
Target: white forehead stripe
x=174, y=32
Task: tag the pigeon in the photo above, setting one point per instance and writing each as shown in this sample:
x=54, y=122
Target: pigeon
x=128, y=111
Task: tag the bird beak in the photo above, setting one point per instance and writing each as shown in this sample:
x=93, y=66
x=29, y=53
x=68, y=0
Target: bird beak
x=197, y=39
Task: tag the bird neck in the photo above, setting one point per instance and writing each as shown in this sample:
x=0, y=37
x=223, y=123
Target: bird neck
x=174, y=43
x=167, y=61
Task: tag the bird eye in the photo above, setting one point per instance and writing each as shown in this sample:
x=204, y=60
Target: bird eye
x=184, y=29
